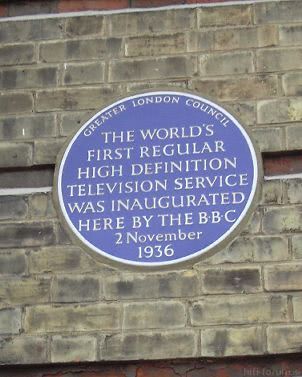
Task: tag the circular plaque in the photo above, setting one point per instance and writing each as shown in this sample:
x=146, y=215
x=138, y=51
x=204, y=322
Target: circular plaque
x=157, y=178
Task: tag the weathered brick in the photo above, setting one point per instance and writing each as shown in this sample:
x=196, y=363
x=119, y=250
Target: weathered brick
x=292, y=84
x=23, y=350
x=200, y=41
x=254, y=223
x=89, y=73
x=27, y=127
x=26, y=234
x=67, y=259
x=154, y=315
x=28, y=78
x=243, y=88
x=294, y=134
x=272, y=192
x=13, y=262
x=45, y=319
x=75, y=288
x=283, y=277
x=46, y=151
x=143, y=23
x=290, y=35
x=239, y=250
x=230, y=15
x=12, y=207
x=15, y=103
x=66, y=349
x=10, y=321
x=151, y=345
x=280, y=59
x=155, y=45
x=33, y=178
x=248, y=249
x=17, y=54
x=41, y=206
x=284, y=338
x=74, y=99
x=239, y=310
x=282, y=11
x=15, y=154
x=71, y=122
x=160, y=68
x=269, y=139
x=246, y=111
x=168, y=285
x=249, y=37
x=80, y=26
x=80, y=50
x=297, y=306
x=297, y=246
x=294, y=191
x=62, y=237
x=229, y=63
x=231, y=280
x=284, y=219
x=272, y=248
x=24, y=291
x=279, y=111
x=228, y=341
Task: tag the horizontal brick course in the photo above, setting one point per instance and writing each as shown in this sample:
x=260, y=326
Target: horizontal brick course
x=23, y=31
x=138, y=23
x=79, y=74
x=10, y=321
x=76, y=50
x=239, y=310
x=25, y=78
x=27, y=127
x=226, y=63
x=231, y=280
x=23, y=350
x=15, y=154
x=24, y=291
x=17, y=54
x=228, y=341
x=13, y=262
x=286, y=219
x=283, y=277
x=74, y=99
x=273, y=60
x=70, y=348
x=15, y=103
x=26, y=234
x=164, y=285
x=236, y=15
x=154, y=315
x=242, y=88
x=283, y=11
x=284, y=338
x=150, y=345
x=164, y=44
x=171, y=67
x=75, y=289
x=48, y=319
x=12, y=207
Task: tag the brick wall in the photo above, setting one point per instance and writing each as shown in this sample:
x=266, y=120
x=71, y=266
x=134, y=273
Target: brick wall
x=58, y=304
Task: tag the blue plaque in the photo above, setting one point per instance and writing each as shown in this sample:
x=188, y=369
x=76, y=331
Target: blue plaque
x=157, y=178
